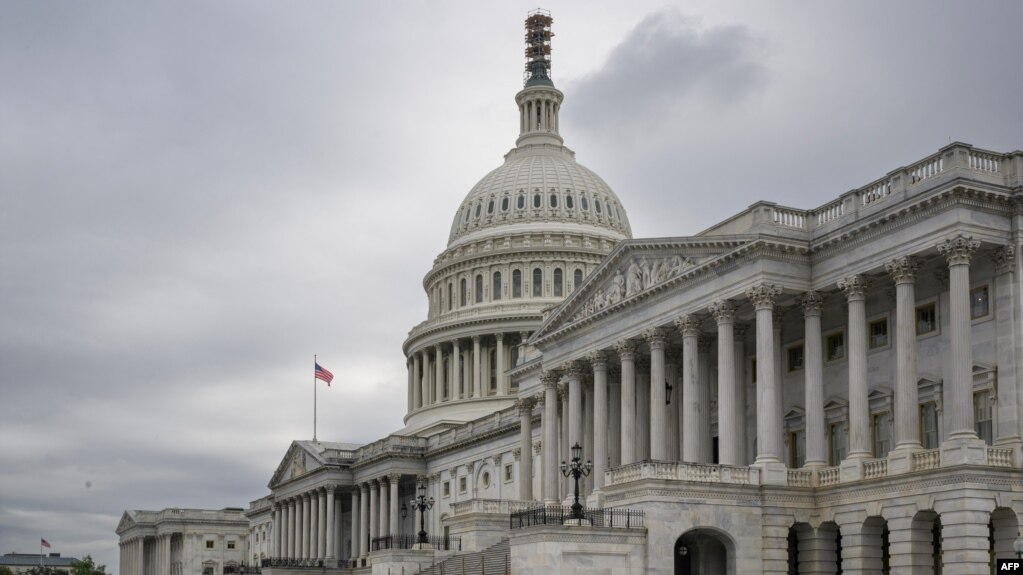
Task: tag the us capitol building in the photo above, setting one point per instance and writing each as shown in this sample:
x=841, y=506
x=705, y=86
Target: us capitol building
x=825, y=390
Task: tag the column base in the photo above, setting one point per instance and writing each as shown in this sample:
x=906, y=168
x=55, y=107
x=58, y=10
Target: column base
x=900, y=459
x=851, y=468
x=772, y=472
x=595, y=499
x=963, y=450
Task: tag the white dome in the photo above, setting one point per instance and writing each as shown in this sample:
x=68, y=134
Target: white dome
x=540, y=184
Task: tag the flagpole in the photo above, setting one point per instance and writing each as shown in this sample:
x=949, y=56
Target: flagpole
x=314, y=397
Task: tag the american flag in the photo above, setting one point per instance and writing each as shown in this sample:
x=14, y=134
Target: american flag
x=44, y=543
x=323, y=374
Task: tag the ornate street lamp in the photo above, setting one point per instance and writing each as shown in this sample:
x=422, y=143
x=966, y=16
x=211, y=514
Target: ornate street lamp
x=421, y=503
x=577, y=469
x=1017, y=546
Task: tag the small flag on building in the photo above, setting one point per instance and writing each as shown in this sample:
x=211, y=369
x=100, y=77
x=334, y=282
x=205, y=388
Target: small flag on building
x=323, y=374
x=44, y=543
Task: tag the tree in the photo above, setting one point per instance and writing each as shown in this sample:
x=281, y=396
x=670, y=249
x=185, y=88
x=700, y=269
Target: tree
x=46, y=570
x=87, y=567
x=5, y=570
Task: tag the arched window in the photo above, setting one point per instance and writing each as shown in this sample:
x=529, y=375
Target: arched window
x=492, y=380
x=554, y=200
x=490, y=207
x=537, y=200
x=462, y=293
x=517, y=283
x=558, y=283
x=537, y=282
x=451, y=296
x=495, y=293
x=504, y=204
x=480, y=207
x=577, y=279
x=521, y=202
x=584, y=203
x=568, y=202
x=596, y=204
x=479, y=288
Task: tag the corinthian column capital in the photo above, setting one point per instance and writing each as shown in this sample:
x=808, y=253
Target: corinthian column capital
x=724, y=311
x=763, y=295
x=655, y=337
x=688, y=325
x=903, y=270
x=958, y=250
x=854, y=286
x=813, y=302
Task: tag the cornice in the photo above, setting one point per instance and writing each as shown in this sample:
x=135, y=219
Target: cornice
x=511, y=256
x=489, y=321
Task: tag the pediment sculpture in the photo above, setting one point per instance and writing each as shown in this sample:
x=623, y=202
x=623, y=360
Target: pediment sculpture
x=641, y=274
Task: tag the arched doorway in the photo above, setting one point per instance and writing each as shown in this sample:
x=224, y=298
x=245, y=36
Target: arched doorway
x=704, y=551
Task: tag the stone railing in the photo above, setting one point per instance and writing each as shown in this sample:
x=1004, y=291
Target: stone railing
x=874, y=468
x=392, y=445
x=497, y=506
x=701, y=472
x=899, y=184
x=999, y=456
x=923, y=460
x=828, y=476
x=800, y=478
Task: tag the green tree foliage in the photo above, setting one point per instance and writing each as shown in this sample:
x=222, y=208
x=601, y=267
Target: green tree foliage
x=5, y=570
x=46, y=570
x=87, y=567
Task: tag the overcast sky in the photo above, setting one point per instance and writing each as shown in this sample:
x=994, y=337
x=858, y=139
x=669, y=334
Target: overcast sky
x=196, y=197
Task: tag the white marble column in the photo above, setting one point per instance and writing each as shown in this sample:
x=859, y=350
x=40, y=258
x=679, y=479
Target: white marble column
x=627, y=352
x=575, y=405
x=499, y=352
x=427, y=390
x=305, y=525
x=598, y=360
x=292, y=539
x=959, y=390
x=363, y=531
x=374, y=510
x=356, y=521
x=456, y=370
x=411, y=396
x=315, y=551
x=438, y=373
x=477, y=378
x=703, y=345
x=813, y=386
x=859, y=411
x=642, y=407
x=329, y=528
x=728, y=424
x=417, y=388
x=768, y=420
x=563, y=444
x=745, y=424
x=394, y=481
x=550, y=437
x=587, y=443
x=1009, y=336
x=384, y=526
x=672, y=359
x=614, y=415
x=907, y=424
x=657, y=340
x=691, y=401
x=525, y=407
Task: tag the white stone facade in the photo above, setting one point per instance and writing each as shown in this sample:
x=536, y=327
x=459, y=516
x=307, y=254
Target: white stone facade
x=183, y=542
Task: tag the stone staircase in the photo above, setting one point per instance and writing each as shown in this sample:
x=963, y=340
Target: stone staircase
x=494, y=560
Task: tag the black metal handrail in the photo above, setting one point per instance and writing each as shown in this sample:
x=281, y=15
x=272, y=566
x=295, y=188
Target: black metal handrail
x=285, y=562
x=558, y=515
x=410, y=540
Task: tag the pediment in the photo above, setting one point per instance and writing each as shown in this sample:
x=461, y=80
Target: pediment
x=298, y=461
x=126, y=523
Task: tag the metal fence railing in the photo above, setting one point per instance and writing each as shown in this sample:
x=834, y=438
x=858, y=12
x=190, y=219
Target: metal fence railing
x=410, y=540
x=558, y=515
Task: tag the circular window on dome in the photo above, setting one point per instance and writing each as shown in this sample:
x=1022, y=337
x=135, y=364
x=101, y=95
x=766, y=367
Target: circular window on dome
x=584, y=203
x=480, y=207
x=490, y=207
x=568, y=202
x=537, y=200
x=504, y=204
x=486, y=479
x=596, y=205
x=521, y=202
x=554, y=200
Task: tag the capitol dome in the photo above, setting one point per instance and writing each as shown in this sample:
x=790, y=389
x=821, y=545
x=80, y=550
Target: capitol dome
x=526, y=236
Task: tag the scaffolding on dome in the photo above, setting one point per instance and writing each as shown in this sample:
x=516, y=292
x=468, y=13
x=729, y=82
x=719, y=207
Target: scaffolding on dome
x=538, y=46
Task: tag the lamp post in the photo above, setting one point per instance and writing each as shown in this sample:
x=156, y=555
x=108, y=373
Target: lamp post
x=1017, y=546
x=421, y=503
x=577, y=469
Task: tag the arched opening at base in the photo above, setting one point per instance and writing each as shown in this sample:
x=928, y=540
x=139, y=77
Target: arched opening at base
x=703, y=552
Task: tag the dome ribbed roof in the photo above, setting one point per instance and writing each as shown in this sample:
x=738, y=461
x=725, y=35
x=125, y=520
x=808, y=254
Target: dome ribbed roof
x=540, y=183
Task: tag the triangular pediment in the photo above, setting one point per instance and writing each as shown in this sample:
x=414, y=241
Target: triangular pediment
x=126, y=523
x=298, y=461
x=633, y=270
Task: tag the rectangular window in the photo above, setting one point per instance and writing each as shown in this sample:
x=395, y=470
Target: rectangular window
x=508, y=472
x=929, y=425
x=230, y=544
x=878, y=330
x=979, y=302
x=797, y=448
x=209, y=544
x=447, y=489
x=461, y=485
x=982, y=416
x=881, y=430
x=836, y=346
x=926, y=318
x=836, y=443
x=795, y=358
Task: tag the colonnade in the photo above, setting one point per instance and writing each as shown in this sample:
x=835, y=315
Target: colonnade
x=644, y=422
x=307, y=526
x=160, y=554
x=375, y=511
x=435, y=373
